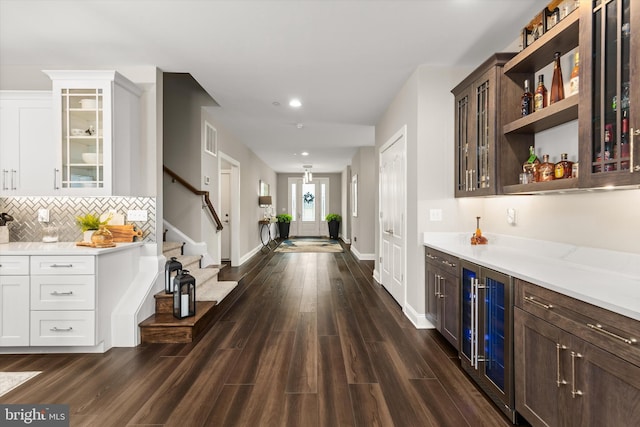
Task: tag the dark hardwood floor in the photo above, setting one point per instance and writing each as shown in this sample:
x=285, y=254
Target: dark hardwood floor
x=308, y=339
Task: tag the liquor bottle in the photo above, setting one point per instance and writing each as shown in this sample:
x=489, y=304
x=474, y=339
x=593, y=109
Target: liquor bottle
x=546, y=169
x=563, y=167
x=575, y=76
x=531, y=165
x=526, y=101
x=609, y=152
x=624, y=141
x=540, y=97
x=557, y=86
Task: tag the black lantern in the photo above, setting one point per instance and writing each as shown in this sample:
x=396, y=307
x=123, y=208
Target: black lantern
x=184, y=295
x=172, y=266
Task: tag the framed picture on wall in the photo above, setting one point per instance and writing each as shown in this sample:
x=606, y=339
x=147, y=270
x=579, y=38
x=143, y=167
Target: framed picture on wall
x=354, y=195
x=264, y=188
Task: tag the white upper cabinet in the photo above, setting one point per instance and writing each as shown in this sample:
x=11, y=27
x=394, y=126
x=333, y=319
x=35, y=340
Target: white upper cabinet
x=96, y=129
x=26, y=143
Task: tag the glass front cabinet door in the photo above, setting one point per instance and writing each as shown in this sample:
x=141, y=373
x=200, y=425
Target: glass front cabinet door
x=96, y=124
x=611, y=125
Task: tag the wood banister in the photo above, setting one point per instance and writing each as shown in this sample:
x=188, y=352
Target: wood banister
x=194, y=190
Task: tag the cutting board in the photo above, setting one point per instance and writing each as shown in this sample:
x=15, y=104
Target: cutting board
x=124, y=233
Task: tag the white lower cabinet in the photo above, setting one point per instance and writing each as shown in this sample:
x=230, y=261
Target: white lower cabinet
x=63, y=301
x=63, y=328
x=14, y=301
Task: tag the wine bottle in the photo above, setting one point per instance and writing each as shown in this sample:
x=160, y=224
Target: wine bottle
x=624, y=142
x=575, y=76
x=526, y=101
x=531, y=165
x=540, y=97
x=557, y=86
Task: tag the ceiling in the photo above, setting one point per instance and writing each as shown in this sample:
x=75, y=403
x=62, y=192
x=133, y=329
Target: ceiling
x=345, y=60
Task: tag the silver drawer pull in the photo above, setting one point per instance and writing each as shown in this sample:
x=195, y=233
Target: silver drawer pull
x=56, y=293
x=61, y=265
x=448, y=264
x=431, y=256
x=598, y=327
x=536, y=302
x=56, y=329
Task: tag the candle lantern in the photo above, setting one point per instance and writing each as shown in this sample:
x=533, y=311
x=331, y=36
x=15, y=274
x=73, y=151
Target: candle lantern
x=184, y=295
x=171, y=269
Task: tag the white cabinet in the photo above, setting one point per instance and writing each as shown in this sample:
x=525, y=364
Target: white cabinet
x=96, y=116
x=14, y=301
x=27, y=150
x=63, y=301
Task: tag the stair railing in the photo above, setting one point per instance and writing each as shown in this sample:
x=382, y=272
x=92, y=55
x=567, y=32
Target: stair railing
x=205, y=195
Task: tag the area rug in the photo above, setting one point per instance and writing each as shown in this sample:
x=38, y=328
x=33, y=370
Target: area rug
x=309, y=245
x=11, y=380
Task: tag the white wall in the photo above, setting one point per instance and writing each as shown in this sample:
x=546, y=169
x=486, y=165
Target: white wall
x=364, y=165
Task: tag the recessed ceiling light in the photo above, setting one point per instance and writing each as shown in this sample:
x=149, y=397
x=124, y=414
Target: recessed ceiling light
x=295, y=103
x=304, y=153
x=299, y=125
x=275, y=103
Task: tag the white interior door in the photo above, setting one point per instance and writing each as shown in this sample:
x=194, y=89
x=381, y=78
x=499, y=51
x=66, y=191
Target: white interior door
x=308, y=204
x=392, y=214
x=225, y=238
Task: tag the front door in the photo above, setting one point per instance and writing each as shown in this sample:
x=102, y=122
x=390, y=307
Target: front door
x=307, y=202
x=392, y=214
x=225, y=204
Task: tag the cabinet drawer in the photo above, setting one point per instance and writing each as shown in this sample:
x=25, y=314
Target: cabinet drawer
x=444, y=261
x=63, y=292
x=53, y=265
x=61, y=328
x=14, y=265
x=610, y=331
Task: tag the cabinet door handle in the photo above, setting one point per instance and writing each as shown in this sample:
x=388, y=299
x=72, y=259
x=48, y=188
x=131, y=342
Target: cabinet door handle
x=56, y=293
x=559, y=347
x=538, y=303
x=632, y=167
x=436, y=292
x=574, y=391
x=448, y=264
x=56, y=329
x=598, y=327
x=13, y=180
x=55, y=178
x=431, y=256
x=440, y=280
x=61, y=265
x=4, y=179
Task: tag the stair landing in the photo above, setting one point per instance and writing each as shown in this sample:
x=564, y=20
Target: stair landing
x=163, y=327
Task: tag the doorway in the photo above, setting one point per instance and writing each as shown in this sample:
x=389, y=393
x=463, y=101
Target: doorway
x=392, y=215
x=229, y=206
x=308, y=203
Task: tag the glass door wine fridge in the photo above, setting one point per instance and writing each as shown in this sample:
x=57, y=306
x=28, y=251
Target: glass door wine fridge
x=486, y=347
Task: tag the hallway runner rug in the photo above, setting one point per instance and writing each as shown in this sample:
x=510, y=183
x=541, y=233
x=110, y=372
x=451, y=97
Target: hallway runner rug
x=309, y=245
x=11, y=380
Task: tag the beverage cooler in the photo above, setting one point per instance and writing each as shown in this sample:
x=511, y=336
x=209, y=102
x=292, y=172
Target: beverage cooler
x=486, y=345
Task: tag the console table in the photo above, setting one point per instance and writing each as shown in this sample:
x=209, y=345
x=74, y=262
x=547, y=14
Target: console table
x=266, y=223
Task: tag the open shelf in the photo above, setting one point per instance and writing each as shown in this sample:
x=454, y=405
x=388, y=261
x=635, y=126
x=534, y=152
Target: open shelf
x=542, y=187
x=553, y=115
x=561, y=38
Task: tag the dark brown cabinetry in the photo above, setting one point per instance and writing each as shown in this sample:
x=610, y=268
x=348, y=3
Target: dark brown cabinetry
x=610, y=148
x=443, y=293
x=479, y=115
x=576, y=364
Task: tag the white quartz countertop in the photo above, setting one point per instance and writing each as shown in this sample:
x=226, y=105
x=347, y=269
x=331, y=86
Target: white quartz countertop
x=59, y=248
x=604, y=278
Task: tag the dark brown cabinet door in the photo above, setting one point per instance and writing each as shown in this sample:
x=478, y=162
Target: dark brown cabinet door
x=540, y=374
x=610, y=148
x=449, y=314
x=431, y=292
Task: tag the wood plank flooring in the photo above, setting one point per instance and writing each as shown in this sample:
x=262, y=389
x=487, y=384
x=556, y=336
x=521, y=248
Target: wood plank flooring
x=309, y=339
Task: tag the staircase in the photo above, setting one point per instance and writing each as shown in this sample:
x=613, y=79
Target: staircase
x=162, y=327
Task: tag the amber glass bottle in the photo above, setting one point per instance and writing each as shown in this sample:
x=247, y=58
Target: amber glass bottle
x=546, y=169
x=563, y=167
x=557, y=86
x=540, y=97
x=574, y=83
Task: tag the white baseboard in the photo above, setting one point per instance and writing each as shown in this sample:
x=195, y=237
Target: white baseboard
x=419, y=320
x=361, y=256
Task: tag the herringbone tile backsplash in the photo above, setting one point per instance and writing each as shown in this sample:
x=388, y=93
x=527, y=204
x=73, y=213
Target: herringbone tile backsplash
x=64, y=210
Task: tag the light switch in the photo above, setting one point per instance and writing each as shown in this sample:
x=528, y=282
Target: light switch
x=435, y=214
x=137, y=215
x=511, y=216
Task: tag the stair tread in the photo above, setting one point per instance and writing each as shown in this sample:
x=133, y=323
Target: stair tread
x=168, y=320
x=168, y=246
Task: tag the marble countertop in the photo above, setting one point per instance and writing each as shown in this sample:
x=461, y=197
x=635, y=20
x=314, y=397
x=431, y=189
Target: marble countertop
x=59, y=248
x=604, y=278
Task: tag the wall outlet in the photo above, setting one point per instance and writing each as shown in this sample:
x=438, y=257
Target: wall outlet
x=511, y=216
x=137, y=215
x=435, y=214
x=43, y=215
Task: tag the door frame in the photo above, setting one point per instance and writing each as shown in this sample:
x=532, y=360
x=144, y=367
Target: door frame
x=295, y=229
x=399, y=135
x=234, y=207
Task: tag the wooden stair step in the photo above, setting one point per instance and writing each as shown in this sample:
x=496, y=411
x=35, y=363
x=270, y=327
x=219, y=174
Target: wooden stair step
x=165, y=328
